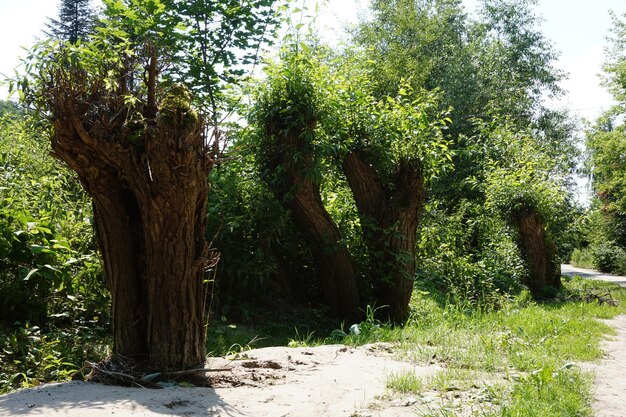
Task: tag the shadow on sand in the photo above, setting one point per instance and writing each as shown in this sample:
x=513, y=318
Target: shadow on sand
x=95, y=400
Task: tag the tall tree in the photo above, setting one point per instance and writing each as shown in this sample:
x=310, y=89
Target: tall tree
x=75, y=22
x=606, y=141
x=495, y=67
x=288, y=113
x=126, y=123
x=387, y=149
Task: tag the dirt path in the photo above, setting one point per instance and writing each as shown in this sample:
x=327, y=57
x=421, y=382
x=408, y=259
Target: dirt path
x=306, y=382
x=334, y=380
x=610, y=373
x=571, y=271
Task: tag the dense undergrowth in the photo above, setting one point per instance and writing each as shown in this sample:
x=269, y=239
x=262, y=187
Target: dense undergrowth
x=55, y=315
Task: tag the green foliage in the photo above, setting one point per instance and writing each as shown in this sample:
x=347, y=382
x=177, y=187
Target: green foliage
x=53, y=304
x=506, y=66
x=608, y=257
x=30, y=356
x=582, y=258
x=46, y=252
x=504, y=61
x=608, y=165
x=606, y=144
x=469, y=254
x=9, y=108
x=219, y=39
x=615, y=67
x=312, y=89
x=525, y=180
x=391, y=131
x=288, y=105
x=261, y=256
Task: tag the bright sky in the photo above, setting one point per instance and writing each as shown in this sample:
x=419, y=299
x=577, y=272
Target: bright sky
x=577, y=28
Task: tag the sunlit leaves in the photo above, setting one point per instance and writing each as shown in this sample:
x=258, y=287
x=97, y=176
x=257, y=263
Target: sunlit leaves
x=525, y=179
x=216, y=41
x=606, y=141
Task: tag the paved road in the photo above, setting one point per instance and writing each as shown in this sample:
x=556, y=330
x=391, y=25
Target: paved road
x=571, y=271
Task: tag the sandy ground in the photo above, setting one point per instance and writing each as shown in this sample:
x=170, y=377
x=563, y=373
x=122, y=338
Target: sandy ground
x=593, y=275
x=324, y=381
x=330, y=380
x=610, y=373
x=304, y=382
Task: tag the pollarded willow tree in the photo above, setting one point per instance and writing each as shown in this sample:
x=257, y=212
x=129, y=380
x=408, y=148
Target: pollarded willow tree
x=389, y=149
x=311, y=109
x=123, y=118
x=531, y=195
x=288, y=113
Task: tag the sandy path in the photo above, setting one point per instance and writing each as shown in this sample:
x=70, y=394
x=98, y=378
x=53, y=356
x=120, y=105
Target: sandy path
x=310, y=382
x=610, y=373
x=571, y=271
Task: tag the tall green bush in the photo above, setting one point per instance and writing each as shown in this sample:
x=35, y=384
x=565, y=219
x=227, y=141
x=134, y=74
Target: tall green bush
x=48, y=269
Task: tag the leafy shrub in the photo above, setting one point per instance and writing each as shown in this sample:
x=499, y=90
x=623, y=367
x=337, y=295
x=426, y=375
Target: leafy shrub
x=582, y=258
x=48, y=266
x=467, y=254
x=30, y=356
x=608, y=257
x=54, y=309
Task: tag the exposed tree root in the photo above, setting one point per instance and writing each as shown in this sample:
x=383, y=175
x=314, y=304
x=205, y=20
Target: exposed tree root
x=122, y=371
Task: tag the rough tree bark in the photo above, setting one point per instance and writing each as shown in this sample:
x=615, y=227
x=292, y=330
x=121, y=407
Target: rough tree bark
x=391, y=238
x=149, y=184
x=300, y=193
x=538, y=252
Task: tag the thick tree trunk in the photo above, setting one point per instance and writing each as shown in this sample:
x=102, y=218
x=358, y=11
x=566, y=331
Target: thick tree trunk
x=332, y=260
x=149, y=191
x=173, y=211
x=538, y=252
x=116, y=220
x=391, y=238
x=300, y=193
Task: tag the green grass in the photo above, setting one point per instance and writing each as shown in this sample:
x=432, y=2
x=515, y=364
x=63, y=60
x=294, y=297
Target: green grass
x=549, y=393
x=530, y=348
x=406, y=382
